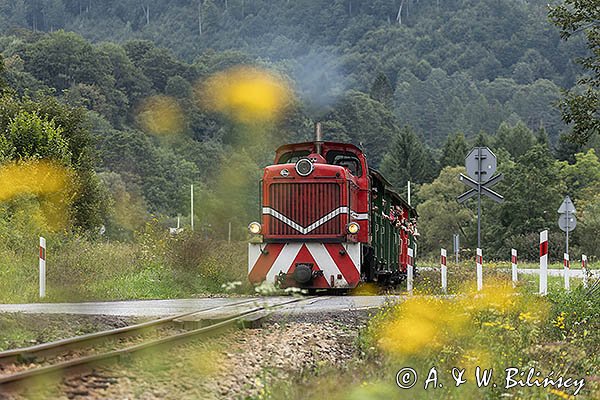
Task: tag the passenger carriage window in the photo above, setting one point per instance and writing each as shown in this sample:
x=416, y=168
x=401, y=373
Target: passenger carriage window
x=345, y=159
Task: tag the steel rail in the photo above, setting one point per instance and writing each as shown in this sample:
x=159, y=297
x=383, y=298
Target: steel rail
x=50, y=348
x=116, y=355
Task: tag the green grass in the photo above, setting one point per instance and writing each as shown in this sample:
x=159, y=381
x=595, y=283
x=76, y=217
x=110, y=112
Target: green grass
x=153, y=268
x=495, y=329
x=463, y=276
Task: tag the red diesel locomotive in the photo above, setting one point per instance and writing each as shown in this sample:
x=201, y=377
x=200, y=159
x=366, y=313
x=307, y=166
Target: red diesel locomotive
x=328, y=221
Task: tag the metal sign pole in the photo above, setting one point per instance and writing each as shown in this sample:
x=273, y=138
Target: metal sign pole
x=479, y=198
x=456, y=246
x=567, y=231
x=409, y=272
x=480, y=164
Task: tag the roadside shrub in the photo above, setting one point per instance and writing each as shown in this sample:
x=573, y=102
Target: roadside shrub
x=208, y=263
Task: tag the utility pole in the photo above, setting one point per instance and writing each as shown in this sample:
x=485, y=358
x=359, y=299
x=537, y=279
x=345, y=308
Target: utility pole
x=192, y=206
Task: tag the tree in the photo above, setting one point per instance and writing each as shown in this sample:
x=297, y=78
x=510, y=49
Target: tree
x=382, y=90
x=48, y=129
x=517, y=139
x=54, y=14
x=208, y=17
x=157, y=64
x=566, y=149
x=589, y=226
x=129, y=79
x=541, y=136
x=582, y=178
x=30, y=136
x=19, y=13
x=178, y=87
x=408, y=159
x=2, y=72
x=454, y=151
x=582, y=106
x=63, y=58
x=482, y=140
x=440, y=215
x=533, y=191
x=360, y=120
x=128, y=210
x=161, y=175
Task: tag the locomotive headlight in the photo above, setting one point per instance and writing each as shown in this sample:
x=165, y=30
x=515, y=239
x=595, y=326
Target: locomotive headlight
x=304, y=167
x=254, y=228
x=353, y=228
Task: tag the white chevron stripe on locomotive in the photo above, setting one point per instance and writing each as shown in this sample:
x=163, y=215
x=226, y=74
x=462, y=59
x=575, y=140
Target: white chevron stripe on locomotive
x=311, y=227
x=358, y=216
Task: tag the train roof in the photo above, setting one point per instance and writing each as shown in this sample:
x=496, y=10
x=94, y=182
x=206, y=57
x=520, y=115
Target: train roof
x=393, y=193
x=337, y=145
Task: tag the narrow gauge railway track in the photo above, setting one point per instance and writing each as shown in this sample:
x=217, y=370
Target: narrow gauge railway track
x=84, y=362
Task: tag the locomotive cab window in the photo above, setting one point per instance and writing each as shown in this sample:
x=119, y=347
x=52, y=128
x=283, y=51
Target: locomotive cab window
x=345, y=159
x=292, y=157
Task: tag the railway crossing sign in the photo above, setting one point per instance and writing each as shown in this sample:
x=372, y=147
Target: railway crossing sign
x=485, y=188
x=567, y=220
x=481, y=164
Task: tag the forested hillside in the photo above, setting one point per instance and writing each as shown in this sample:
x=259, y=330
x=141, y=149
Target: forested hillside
x=415, y=83
x=447, y=66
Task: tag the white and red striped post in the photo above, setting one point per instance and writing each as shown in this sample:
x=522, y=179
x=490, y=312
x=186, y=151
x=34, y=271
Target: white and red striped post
x=479, y=270
x=567, y=271
x=513, y=261
x=444, y=271
x=409, y=271
x=544, y=263
x=584, y=269
x=42, y=267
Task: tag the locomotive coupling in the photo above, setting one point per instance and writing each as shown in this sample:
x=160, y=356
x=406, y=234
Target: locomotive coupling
x=302, y=273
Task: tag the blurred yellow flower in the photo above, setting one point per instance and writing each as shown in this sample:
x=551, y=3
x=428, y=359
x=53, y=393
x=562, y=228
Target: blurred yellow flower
x=161, y=115
x=246, y=94
x=51, y=183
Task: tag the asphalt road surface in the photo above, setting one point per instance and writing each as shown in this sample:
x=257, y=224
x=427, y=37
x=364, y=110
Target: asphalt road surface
x=156, y=308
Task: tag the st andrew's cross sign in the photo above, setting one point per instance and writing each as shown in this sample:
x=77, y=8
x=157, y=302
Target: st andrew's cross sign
x=480, y=165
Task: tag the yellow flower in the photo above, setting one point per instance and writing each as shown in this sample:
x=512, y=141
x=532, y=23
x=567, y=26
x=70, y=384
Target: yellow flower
x=559, y=322
x=561, y=394
x=526, y=317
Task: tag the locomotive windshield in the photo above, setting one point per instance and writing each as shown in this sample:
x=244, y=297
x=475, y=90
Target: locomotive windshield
x=345, y=159
x=292, y=157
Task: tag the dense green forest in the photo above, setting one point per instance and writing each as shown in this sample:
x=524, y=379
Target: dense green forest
x=415, y=83
x=453, y=65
